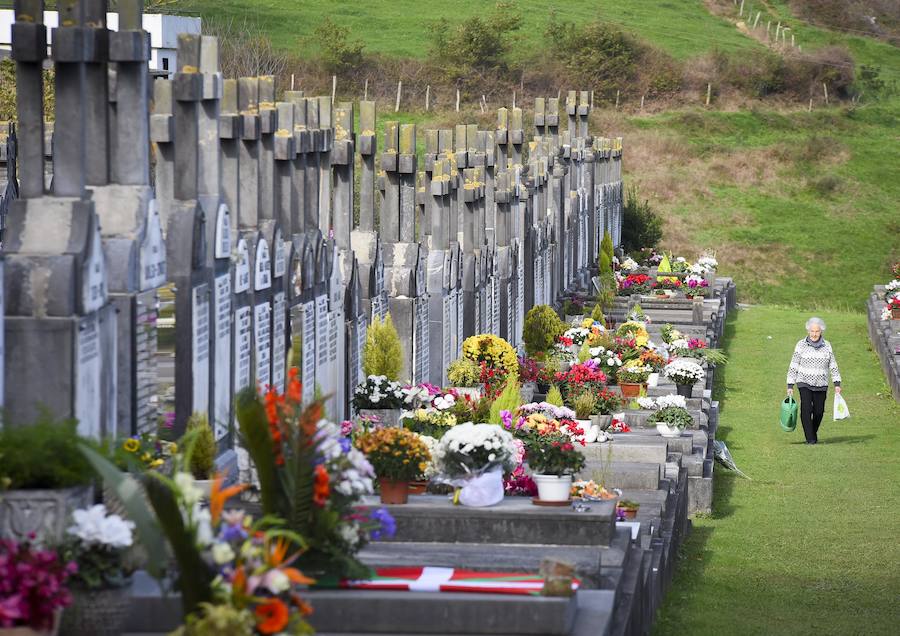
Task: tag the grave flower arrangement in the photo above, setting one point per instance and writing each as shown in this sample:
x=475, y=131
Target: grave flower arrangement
x=607, y=402
x=584, y=376
x=708, y=262
x=618, y=426
x=662, y=402
x=395, y=453
x=592, y=491
x=98, y=542
x=377, y=392
x=667, y=283
x=680, y=264
x=633, y=372
x=634, y=330
x=576, y=335
x=653, y=359
x=468, y=450
x=552, y=453
x=608, y=359
x=628, y=265
x=32, y=585
x=144, y=452
x=464, y=373
x=635, y=284
x=529, y=371
x=695, y=285
x=428, y=421
x=495, y=352
x=669, y=333
x=674, y=416
x=684, y=371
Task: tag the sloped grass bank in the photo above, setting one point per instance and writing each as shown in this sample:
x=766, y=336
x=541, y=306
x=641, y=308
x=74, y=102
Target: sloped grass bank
x=809, y=546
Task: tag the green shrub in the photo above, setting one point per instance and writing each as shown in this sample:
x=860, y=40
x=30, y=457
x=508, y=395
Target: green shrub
x=597, y=314
x=606, y=249
x=43, y=455
x=463, y=373
x=382, y=354
x=641, y=227
x=541, y=330
x=554, y=396
x=200, y=445
x=584, y=352
x=339, y=54
x=595, y=54
x=584, y=404
x=477, y=45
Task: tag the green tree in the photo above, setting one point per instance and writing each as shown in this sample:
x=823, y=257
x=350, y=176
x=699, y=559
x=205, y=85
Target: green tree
x=641, y=226
x=382, y=354
x=478, y=44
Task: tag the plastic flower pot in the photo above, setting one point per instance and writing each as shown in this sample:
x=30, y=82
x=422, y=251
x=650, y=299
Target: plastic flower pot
x=653, y=379
x=393, y=492
x=553, y=487
x=684, y=389
x=669, y=430
x=630, y=390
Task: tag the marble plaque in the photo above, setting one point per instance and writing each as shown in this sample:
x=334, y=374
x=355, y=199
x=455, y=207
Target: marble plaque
x=200, y=342
x=308, y=368
x=88, y=369
x=279, y=342
x=152, y=252
x=262, y=344
x=222, y=372
x=448, y=311
x=243, y=348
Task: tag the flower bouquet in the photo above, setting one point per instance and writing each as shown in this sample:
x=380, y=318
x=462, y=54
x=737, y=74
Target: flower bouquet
x=635, y=330
x=585, y=376
x=684, y=373
x=474, y=457
x=398, y=457
x=98, y=544
x=592, y=491
x=32, y=586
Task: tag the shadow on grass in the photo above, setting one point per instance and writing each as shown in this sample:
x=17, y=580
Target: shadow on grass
x=846, y=439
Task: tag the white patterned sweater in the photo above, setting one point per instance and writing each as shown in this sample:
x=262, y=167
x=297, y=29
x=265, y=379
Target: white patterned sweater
x=810, y=366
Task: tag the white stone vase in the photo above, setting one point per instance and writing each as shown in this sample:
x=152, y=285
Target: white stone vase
x=388, y=417
x=669, y=430
x=653, y=380
x=42, y=512
x=553, y=487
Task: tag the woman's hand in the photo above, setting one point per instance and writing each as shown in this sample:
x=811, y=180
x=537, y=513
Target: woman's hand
x=790, y=392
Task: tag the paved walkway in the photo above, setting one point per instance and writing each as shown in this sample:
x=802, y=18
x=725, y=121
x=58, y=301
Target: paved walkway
x=812, y=544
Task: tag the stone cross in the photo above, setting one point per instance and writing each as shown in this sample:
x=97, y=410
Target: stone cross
x=59, y=327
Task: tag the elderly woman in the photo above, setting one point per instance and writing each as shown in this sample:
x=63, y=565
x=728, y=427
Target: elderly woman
x=813, y=361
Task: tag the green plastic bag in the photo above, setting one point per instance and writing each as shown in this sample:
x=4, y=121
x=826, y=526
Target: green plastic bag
x=788, y=415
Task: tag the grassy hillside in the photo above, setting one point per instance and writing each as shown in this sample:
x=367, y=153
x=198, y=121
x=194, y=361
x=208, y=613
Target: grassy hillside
x=400, y=27
x=802, y=207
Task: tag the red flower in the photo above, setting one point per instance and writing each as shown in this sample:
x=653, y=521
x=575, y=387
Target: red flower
x=320, y=487
x=272, y=616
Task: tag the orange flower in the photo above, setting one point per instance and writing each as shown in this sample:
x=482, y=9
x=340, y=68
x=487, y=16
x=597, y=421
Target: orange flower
x=239, y=582
x=218, y=496
x=295, y=388
x=321, y=490
x=304, y=607
x=309, y=418
x=272, y=616
x=297, y=577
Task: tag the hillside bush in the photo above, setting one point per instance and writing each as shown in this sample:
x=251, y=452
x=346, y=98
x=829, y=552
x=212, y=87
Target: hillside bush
x=641, y=226
x=338, y=53
x=479, y=44
x=595, y=54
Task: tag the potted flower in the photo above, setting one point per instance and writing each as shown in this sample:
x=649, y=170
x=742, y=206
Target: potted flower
x=41, y=462
x=635, y=284
x=894, y=306
x=553, y=459
x=670, y=414
x=32, y=588
x=492, y=352
x=695, y=286
x=666, y=286
x=474, y=457
x=584, y=404
x=655, y=361
x=398, y=456
x=529, y=373
x=684, y=373
x=632, y=377
x=606, y=402
x=381, y=398
x=626, y=509
x=200, y=448
x=584, y=376
x=98, y=543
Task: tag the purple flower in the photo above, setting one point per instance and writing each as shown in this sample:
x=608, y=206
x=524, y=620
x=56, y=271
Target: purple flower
x=387, y=526
x=232, y=533
x=506, y=418
x=346, y=445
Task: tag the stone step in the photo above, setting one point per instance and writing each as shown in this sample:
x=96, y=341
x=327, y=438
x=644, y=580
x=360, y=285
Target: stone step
x=650, y=450
x=502, y=557
x=514, y=520
x=617, y=474
x=595, y=611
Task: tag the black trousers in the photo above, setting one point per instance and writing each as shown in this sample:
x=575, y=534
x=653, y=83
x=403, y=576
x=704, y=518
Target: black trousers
x=812, y=408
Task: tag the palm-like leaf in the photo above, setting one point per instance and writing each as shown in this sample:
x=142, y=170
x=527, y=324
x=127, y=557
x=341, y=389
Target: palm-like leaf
x=132, y=495
x=195, y=576
x=255, y=438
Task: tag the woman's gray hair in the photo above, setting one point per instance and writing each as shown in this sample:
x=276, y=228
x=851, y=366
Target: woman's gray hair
x=815, y=321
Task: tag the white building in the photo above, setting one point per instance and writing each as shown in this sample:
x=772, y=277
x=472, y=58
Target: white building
x=163, y=29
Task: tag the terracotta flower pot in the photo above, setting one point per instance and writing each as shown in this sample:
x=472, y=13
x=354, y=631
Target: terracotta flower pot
x=394, y=492
x=418, y=487
x=629, y=514
x=630, y=390
x=895, y=314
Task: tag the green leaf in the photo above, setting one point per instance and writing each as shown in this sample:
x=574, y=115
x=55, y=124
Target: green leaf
x=133, y=498
x=194, y=576
x=255, y=438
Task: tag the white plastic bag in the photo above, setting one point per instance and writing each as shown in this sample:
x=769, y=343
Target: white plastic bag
x=484, y=490
x=841, y=411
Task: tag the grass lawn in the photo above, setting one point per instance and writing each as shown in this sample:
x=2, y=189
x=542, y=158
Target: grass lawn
x=809, y=546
